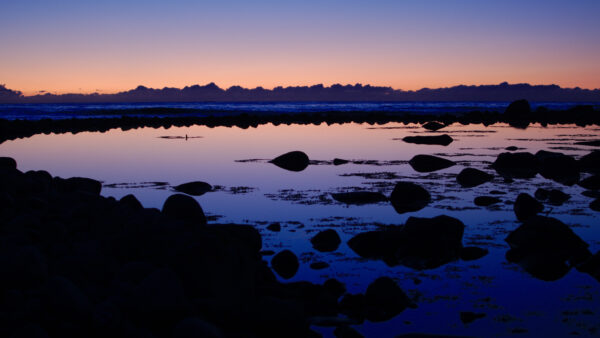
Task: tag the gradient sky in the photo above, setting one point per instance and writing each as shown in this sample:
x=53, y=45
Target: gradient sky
x=108, y=46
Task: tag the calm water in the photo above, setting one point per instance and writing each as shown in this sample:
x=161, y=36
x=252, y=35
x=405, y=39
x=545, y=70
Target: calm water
x=84, y=110
x=250, y=190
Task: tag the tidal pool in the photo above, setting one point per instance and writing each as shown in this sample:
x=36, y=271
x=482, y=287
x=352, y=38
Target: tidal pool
x=148, y=162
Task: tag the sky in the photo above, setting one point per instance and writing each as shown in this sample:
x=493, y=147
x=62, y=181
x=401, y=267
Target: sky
x=114, y=45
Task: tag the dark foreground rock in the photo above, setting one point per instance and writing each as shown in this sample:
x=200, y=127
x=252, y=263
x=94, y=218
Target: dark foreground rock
x=8, y=163
x=326, y=241
x=526, y=206
x=292, y=161
x=408, y=197
x=558, y=167
x=196, y=188
x=442, y=140
x=359, y=197
x=546, y=248
x=429, y=163
x=591, y=183
x=595, y=205
x=422, y=243
x=518, y=165
x=84, y=265
x=285, y=263
x=184, y=208
x=553, y=196
x=591, y=162
x=470, y=177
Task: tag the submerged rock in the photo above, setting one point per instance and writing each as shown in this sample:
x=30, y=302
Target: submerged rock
x=422, y=243
x=326, y=241
x=339, y=161
x=196, y=188
x=285, y=263
x=408, y=197
x=519, y=165
x=557, y=167
x=484, y=201
x=470, y=177
x=185, y=208
x=543, y=246
x=511, y=148
x=433, y=125
x=292, y=161
x=554, y=196
x=468, y=317
x=591, y=183
x=275, y=227
x=429, y=163
x=359, y=197
x=442, y=140
x=526, y=206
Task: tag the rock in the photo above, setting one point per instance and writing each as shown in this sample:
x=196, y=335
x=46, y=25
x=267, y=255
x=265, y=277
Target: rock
x=185, y=208
x=319, y=265
x=518, y=109
x=433, y=126
x=131, y=202
x=8, y=163
x=591, y=266
x=526, y=206
x=591, y=193
x=442, y=140
x=594, y=143
x=30, y=331
x=554, y=196
x=160, y=298
x=384, y=300
x=518, y=165
x=359, y=197
x=346, y=332
x=194, y=327
x=471, y=253
x=334, y=287
x=408, y=197
x=66, y=301
x=196, y=188
x=595, y=205
x=468, y=317
x=511, y=148
x=557, y=167
x=339, y=161
x=591, y=183
x=484, y=201
x=285, y=263
x=591, y=162
x=31, y=267
x=326, y=241
x=470, y=177
x=544, y=245
x=79, y=184
x=429, y=163
x=275, y=227
x=422, y=243
x=292, y=161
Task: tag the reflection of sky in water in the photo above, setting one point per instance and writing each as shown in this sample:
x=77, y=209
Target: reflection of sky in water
x=510, y=298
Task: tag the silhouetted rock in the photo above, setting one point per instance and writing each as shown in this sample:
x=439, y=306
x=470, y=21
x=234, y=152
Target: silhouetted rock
x=67, y=301
x=518, y=109
x=471, y=177
x=384, y=300
x=468, y=317
x=544, y=245
x=194, y=188
x=554, y=196
x=526, y=206
x=293, y=161
x=131, y=202
x=557, y=167
x=591, y=183
x=81, y=184
x=519, y=165
x=591, y=193
x=484, y=201
x=511, y=148
x=185, y=208
x=339, y=161
x=591, y=266
x=359, y=197
x=594, y=143
x=285, y=263
x=591, y=162
x=334, y=287
x=471, y=253
x=429, y=163
x=194, y=327
x=8, y=163
x=433, y=126
x=346, y=332
x=442, y=140
x=422, y=243
x=595, y=205
x=408, y=197
x=276, y=226
x=326, y=241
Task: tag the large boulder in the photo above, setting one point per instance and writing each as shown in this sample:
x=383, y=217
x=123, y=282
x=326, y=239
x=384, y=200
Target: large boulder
x=471, y=177
x=553, y=196
x=292, y=161
x=558, y=167
x=359, y=197
x=546, y=248
x=185, y=208
x=591, y=183
x=81, y=184
x=526, y=206
x=326, y=241
x=591, y=162
x=518, y=109
x=442, y=140
x=285, y=263
x=385, y=299
x=196, y=188
x=408, y=197
x=519, y=165
x=429, y=163
x=8, y=163
x=422, y=243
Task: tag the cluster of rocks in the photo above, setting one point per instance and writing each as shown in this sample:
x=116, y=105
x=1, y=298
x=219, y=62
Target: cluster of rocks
x=75, y=263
